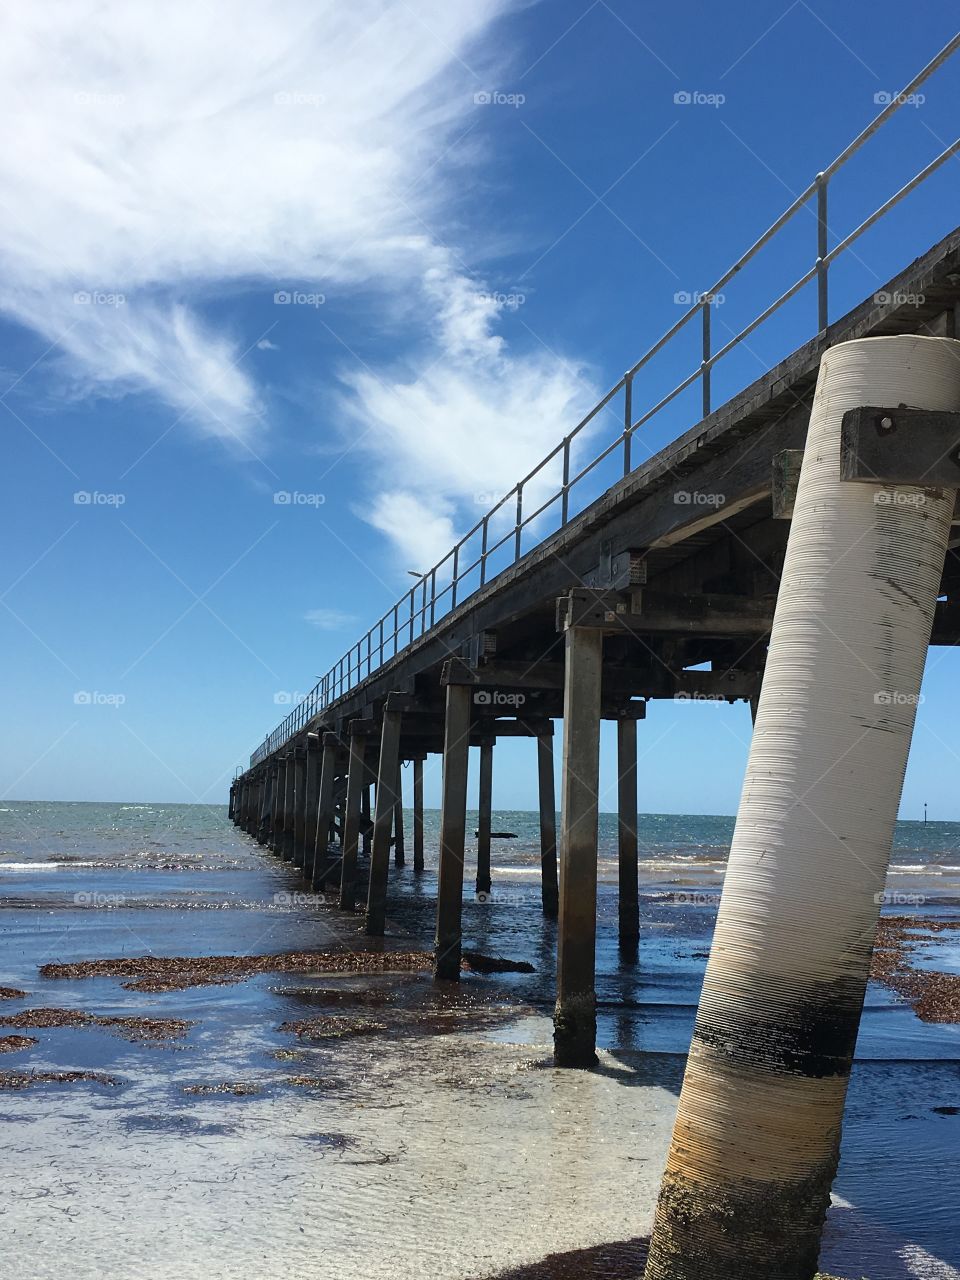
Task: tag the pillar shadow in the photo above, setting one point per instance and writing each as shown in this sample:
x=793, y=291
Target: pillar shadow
x=616, y=1260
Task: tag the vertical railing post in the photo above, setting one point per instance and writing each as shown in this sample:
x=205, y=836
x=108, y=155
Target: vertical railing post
x=822, y=308
x=517, y=535
x=484, y=535
x=433, y=595
x=412, y=610
x=565, y=498
x=705, y=358
x=453, y=579
x=627, y=421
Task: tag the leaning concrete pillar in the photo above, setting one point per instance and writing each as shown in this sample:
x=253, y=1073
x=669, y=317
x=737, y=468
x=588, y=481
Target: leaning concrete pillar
x=629, y=895
x=399, y=852
x=418, y=813
x=231, y=803
x=549, y=887
x=325, y=805
x=356, y=781
x=575, y=1021
x=299, y=805
x=484, y=823
x=453, y=832
x=757, y=1134
x=386, y=800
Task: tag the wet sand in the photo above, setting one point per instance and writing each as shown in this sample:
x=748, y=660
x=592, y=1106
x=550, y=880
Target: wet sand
x=226, y=1079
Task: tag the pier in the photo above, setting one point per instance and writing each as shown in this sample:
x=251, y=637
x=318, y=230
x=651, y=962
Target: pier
x=582, y=597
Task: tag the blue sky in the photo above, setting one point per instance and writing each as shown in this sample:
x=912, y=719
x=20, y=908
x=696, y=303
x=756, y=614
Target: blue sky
x=483, y=214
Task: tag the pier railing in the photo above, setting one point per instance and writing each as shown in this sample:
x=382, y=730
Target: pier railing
x=500, y=529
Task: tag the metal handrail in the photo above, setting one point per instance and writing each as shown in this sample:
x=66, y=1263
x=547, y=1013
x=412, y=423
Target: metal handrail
x=347, y=672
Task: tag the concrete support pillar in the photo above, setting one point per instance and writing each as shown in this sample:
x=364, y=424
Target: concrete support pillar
x=484, y=823
x=267, y=803
x=382, y=822
x=399, y=853
x=629, y=897
x=299, y=805
x=550, y=892
x=231, y=804
x=418, y=814
x=242, y=802
x=279, y=799
x=366, y=813
x=311, y=800
x=356, y=785
x=289, y=796
x=320, y=869
x=575, y=1019
x=453, y=824
x=253, y=805
x=756, y=1140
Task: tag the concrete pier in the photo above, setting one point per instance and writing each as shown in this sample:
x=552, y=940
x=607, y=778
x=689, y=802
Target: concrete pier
x=549, y=870
x=575, y=1020
x=399, y=851
x=356, y=785
x=325, y=804
x=418, y=813
x=386, y=802
x=453, y=828
x=484, y=822
x=628, y=900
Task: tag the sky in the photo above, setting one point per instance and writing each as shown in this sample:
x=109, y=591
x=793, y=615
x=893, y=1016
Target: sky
x=291, y=292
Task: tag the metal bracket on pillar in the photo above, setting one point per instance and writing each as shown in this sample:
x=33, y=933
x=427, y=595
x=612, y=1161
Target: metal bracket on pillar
x=617, y=572
x=786, y=477
x=900, y=446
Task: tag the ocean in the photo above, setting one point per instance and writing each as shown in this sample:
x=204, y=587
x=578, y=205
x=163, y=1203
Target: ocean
x=310, y=1123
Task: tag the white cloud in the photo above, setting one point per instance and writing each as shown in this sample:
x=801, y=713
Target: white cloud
x=266, y=345
x=161, y=151
x=462, y=423
x=156, y=155
x=329, y=619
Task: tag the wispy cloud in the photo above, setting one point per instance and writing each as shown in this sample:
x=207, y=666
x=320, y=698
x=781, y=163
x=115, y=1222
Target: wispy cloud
x=155, y=152
x=329, y=619
x=157, y=156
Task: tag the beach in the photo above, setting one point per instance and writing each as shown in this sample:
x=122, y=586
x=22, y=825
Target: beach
x=214, y=1073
